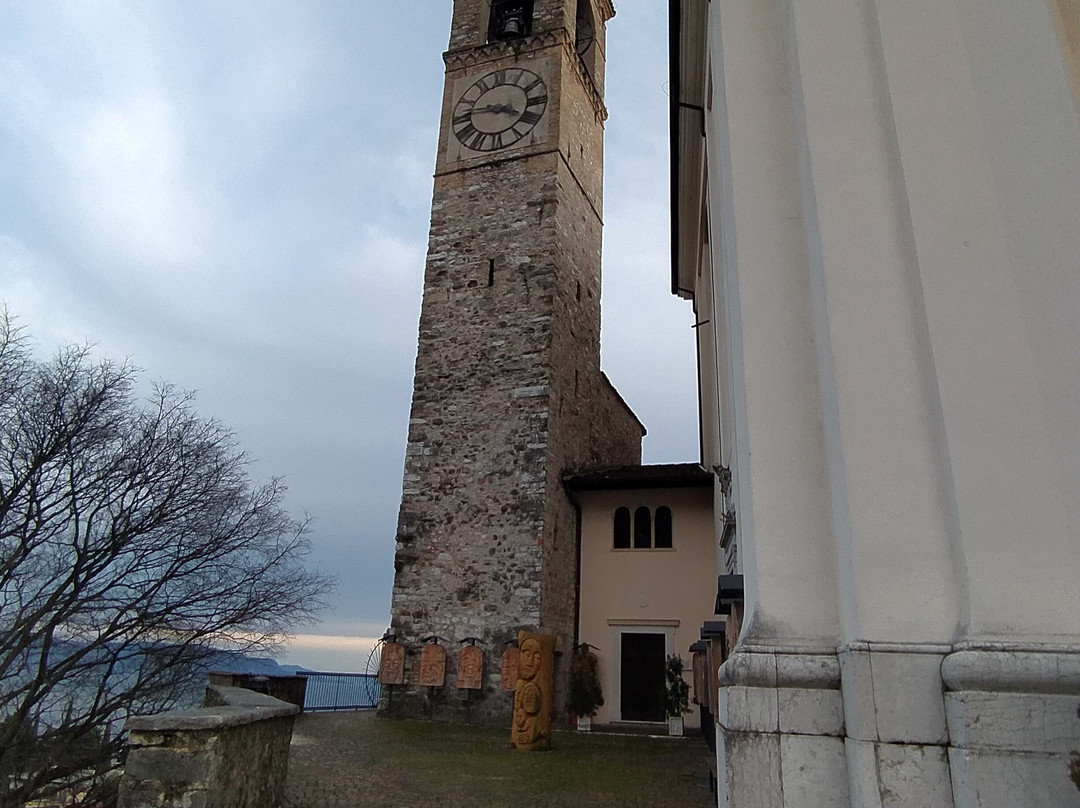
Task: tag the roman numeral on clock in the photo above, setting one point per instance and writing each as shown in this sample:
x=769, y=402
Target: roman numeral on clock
x=466, y=132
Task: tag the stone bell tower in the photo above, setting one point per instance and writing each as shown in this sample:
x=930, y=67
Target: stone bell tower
x=508, y=393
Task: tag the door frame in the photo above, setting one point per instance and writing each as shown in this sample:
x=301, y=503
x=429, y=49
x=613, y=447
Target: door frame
x=639, y=626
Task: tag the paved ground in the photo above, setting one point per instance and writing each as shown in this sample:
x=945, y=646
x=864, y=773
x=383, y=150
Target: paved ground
x=355, y=760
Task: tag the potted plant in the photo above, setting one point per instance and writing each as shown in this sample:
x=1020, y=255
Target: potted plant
x=586, y=696
x=676, y=694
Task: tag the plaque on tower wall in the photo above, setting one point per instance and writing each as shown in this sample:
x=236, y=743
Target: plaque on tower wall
x=532, y=693
x=509, y=667
x=392, y=664
x=433, y=666
x=470, y=668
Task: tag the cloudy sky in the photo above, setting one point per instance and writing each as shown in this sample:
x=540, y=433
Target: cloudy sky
x=236, y=196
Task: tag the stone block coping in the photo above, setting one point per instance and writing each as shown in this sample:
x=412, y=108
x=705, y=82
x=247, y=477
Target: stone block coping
x=235, y=707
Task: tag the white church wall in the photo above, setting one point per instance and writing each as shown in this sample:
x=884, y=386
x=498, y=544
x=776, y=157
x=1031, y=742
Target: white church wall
x=894, y=198
x=777, y=449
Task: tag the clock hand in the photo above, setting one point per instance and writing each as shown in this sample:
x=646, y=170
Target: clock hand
x=498, y=108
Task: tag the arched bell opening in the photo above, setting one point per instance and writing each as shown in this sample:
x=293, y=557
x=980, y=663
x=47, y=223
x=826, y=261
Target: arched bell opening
x=585, y=28
x=587, y=37
x=510, y=19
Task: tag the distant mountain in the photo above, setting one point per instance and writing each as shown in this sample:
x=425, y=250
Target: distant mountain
x=111, y=668
x=258, y=666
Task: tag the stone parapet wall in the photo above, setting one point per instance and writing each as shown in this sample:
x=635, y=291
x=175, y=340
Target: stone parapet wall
x=291, y=689
x=232, y=753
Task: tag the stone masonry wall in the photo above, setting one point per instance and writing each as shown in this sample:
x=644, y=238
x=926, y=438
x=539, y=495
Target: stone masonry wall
x=233, y=753
x=468, y=560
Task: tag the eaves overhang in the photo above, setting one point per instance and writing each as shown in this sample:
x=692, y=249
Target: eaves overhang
x=688, y=80
x=626, y=478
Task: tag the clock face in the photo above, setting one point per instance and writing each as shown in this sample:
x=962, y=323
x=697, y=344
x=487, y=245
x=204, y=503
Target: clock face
x=499, y=109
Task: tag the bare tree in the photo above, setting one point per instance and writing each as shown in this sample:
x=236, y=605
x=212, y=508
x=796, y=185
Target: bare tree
x=132, y=546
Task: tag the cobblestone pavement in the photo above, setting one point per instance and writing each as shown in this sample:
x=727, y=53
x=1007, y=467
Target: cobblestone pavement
x=355, y=760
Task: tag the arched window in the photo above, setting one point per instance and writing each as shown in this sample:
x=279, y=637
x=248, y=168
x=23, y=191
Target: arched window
x=663, y=528
x=642, y=528
x=622, y=528
x=647, y=530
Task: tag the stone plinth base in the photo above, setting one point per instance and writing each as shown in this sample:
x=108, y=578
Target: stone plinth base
x=880, y=725
x=781, y=743
x=1012, y=716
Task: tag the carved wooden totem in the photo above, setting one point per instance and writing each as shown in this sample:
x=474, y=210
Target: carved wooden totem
x=532, y=693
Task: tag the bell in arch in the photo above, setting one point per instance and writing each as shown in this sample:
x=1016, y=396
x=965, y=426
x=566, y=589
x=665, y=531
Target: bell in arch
x=510, y=19
x=511, y=27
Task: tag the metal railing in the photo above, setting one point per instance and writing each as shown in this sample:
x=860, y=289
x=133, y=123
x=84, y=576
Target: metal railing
x=340, y=691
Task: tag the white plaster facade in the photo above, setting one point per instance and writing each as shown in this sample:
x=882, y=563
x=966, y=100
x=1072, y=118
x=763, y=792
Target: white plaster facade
x=644, y=591
x=877, y=216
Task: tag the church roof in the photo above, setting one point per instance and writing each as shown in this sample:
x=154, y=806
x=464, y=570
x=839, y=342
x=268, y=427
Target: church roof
x=622, y=401
x=657, y=475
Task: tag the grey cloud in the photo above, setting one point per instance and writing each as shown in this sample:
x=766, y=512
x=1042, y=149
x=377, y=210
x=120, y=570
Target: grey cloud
x=236, y=195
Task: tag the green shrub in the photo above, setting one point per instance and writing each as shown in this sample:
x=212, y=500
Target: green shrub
x=677, y=693
x=586, y=695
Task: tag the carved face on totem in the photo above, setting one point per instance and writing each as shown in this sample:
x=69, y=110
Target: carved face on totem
x=531, y=659
x=527, y=703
